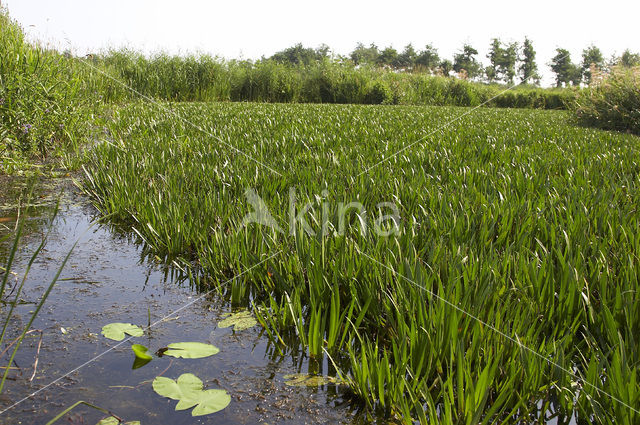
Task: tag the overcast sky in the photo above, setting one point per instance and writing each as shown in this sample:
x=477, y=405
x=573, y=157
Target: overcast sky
x=250, y=29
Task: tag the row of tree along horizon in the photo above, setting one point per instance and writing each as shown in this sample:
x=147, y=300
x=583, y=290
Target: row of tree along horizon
x=506, y=61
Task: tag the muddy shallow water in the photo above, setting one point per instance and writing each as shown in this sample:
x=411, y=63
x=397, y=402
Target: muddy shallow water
x=107, y=280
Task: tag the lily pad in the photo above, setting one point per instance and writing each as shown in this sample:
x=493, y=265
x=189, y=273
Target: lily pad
x=187, y=389
x=113, y=421
x=306, y=380
x=190, y=350
x=240, y=321
x=117, y=331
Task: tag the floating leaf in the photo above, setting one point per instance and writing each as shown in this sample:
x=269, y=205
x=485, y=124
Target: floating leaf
x=141, y=351
x=142, y=356
x=116, y=331
x=306, y=380
x=190, y=350
x=187, y=389
x=113, y=421
x=240, y=321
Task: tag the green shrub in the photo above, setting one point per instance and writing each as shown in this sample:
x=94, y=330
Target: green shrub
x=352, y=87
x=379, y=93
x=461, y=93
x=613, y=103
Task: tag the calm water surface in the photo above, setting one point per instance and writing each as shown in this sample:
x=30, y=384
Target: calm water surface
x=105, y=281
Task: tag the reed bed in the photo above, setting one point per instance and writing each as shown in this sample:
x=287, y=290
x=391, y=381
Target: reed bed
x=612, y=102
x=515, y=230
x=207, y=78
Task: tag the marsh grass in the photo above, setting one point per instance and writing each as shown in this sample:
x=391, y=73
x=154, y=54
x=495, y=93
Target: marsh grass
x=523, y=221
x=50, y=102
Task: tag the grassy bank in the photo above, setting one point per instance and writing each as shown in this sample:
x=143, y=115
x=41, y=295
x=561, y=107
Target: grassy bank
x=526, y=223
x=43, y=101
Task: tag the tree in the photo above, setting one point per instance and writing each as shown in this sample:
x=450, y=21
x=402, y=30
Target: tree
x=466, y=60
x=494, y=56
x=363, y=55
x=323, y=51
x=508, y=62
x=407, y=59
x=528, y=69
x=296, y=55
x=562, y=66
x=575, y=74
x=629, y=59
x=446, y=67
x=389, y=56
x=428, y=58
x=591, y=57
x=502, y=61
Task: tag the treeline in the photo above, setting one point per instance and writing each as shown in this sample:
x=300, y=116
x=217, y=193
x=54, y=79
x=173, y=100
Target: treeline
x=593, y=62
x=304, y=76
x=465, y=64
x=506, y=61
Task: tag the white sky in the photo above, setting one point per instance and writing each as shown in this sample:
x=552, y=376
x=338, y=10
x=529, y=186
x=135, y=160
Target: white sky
x=250, y=29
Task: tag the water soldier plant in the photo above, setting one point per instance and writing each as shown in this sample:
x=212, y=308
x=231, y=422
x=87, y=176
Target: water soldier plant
x=520, y=222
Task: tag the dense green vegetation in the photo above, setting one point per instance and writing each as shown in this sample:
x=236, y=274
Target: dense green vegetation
x=524, y=222
x=42, y=106
x=48, y=99
x=612, y=102
x=204, y=78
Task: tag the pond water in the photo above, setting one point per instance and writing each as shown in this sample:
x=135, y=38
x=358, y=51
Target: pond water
x=107, y=279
